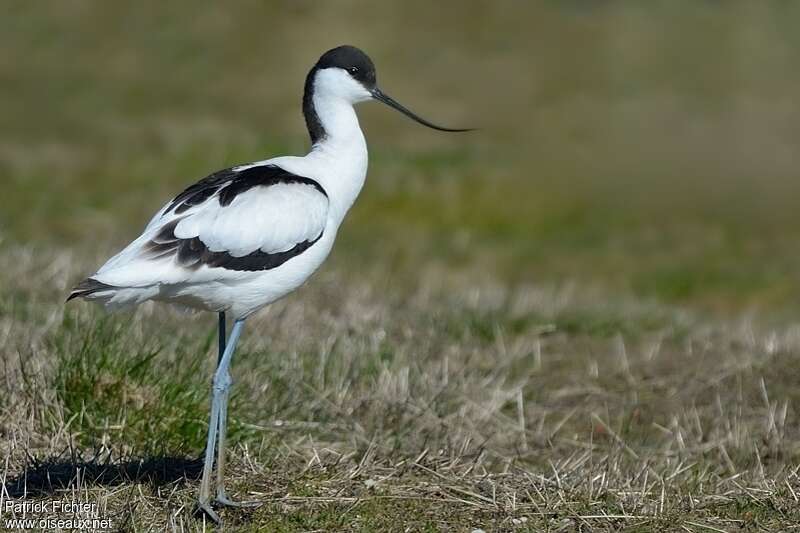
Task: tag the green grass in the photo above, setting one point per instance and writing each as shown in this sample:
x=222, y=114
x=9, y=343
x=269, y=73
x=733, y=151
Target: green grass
x=580, y=317
x=109, y=384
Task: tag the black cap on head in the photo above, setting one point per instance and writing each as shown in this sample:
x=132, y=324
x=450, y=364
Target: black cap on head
x=351, y=59
x=360, y=67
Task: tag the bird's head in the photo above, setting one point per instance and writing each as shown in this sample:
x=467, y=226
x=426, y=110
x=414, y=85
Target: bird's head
x=348, y=73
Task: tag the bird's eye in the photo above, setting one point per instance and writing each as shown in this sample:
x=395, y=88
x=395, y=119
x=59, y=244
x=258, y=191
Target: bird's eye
x=353, y=70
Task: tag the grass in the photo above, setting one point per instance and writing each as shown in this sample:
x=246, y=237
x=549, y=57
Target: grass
x=582, y=317
x=524, y=408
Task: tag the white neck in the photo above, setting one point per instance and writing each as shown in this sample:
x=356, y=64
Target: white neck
x=341, y=154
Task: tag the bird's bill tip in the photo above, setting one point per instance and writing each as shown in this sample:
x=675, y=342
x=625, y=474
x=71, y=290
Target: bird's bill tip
x=380, y=96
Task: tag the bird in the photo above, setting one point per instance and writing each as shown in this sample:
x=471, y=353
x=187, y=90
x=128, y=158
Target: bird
x=246, y=236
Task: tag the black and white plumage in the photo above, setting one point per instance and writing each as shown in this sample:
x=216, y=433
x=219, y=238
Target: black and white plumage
x=246, y=236
x=219, y=237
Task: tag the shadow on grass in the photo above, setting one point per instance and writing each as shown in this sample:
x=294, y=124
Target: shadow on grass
x=41, y=478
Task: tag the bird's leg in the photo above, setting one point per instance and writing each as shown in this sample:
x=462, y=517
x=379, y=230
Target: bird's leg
x=222, y=328
x=222, y=498
x=220, y=388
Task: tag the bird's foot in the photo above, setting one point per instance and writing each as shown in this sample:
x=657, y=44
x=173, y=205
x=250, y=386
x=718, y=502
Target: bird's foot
x=223, y=499
x=204, y=508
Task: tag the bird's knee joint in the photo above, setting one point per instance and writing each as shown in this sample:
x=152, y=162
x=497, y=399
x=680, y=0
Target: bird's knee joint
x=222, y=382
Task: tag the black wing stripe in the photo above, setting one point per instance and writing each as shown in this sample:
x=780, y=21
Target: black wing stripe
x=230, y=183
x=201, y=191
x=264, y=176
x=193, y=253
x=196, y=199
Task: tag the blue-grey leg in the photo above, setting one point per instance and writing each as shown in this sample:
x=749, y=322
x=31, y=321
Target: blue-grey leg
x=222, y=498
x=220, y=388
x=222, y=429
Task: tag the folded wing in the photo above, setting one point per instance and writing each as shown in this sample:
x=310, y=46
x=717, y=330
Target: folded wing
x=230, y=222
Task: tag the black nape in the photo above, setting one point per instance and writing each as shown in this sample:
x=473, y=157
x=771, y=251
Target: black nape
x=315, y=129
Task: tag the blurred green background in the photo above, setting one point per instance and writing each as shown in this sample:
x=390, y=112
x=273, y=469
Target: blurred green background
x=644, y=148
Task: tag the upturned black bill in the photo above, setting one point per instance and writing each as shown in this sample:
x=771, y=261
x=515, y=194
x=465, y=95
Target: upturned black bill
x=391, y=102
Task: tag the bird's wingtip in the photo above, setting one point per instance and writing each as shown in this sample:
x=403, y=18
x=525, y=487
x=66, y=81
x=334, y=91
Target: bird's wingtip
x=87, y=287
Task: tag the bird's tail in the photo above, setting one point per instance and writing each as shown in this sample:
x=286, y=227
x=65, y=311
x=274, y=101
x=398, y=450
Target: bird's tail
x=88, y=287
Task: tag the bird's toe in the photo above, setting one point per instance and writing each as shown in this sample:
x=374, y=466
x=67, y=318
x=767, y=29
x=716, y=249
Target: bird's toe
x=223, y=499
x=204, y=509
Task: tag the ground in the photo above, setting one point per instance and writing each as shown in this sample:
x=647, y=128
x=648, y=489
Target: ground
x=582, y=317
